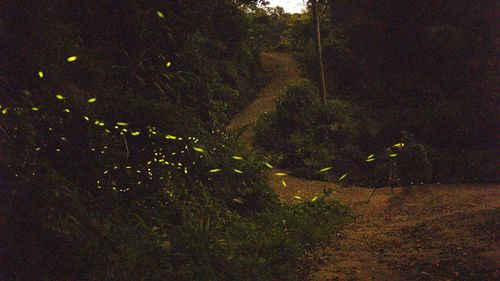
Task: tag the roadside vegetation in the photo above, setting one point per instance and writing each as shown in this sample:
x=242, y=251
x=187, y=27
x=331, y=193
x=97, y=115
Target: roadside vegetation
x=391, y=67
x=114, y=161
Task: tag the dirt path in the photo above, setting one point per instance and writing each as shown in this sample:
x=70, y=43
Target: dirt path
x=448, y=232
x=428, y=232
x=282, y=69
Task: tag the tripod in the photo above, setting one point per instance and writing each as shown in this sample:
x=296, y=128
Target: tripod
x=393, y=180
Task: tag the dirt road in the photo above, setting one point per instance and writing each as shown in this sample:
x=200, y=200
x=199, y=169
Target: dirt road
x=428, y=232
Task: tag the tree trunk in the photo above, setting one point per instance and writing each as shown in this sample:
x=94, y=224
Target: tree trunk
x=319, y=55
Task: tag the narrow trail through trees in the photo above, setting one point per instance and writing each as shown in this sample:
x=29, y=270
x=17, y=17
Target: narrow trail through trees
x=283, y=69
x=450, y=232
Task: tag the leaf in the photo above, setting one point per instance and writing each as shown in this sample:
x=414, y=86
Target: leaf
x=297, y=197
x=314, y=198
x=371, y=156
x=237, y=157
x=135, y=133
x=283, y=183
x=214, y=170
x=280, y=174
x=393, y=155
x=121, y=124
x=342, y=177
x=72, y=58
x=60, y=97
x=40, y=73
x=91, y=100
x=370, y=159
x=170, y=137
x=169, y=64
x=238, y=171
x=35, y=108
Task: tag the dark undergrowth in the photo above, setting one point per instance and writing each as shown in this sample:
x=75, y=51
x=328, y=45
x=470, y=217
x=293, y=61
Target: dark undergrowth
x=114, y=164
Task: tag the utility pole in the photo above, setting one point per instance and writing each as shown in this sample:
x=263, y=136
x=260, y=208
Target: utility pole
x=319, y=55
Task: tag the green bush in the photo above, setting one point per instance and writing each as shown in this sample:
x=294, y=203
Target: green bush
x=298, y=107
x=223, y=226
x=311, y=138
x=447, y=99
x=121, y=188
x=267, y=133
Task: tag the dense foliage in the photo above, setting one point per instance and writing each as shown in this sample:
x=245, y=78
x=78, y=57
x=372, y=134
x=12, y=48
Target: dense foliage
x=114, y=165
x=424, y=67
x=268, y=25
x=307, y=139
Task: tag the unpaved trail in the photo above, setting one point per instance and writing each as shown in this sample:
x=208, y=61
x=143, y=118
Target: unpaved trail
x=426, y=232
x=283, y=69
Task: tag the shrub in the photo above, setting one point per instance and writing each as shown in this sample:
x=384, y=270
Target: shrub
x=123, y=188
x=298, y=107
x=311, y=138
x=446, y=99
x=267, y=133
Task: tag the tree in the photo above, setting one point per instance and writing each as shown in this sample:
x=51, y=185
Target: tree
x=317, y=43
